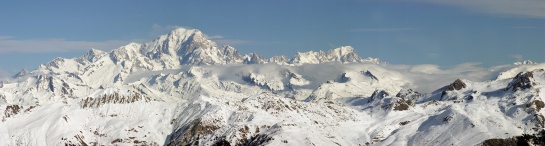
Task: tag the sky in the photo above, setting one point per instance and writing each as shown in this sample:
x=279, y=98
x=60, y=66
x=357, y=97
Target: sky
x=441, y=32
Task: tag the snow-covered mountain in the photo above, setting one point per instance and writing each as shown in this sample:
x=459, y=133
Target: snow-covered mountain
x=525, y=62
x=183, y=89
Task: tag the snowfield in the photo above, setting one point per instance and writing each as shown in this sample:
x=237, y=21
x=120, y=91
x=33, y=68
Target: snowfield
x=183, y=89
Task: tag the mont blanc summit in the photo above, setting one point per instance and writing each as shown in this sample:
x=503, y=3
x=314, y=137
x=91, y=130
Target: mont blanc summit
x=184, y=89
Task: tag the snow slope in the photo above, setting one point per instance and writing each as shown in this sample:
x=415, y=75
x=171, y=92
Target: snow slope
x=182, y=88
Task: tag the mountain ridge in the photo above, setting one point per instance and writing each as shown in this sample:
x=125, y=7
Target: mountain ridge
x=191, y=47
x=182, y=89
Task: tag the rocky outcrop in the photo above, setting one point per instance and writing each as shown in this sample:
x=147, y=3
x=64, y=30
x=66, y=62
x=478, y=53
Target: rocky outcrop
x=522, y=81
x=378, y=95
x=257, y=140
x=523, y=140
x=408, y=94
x=343, y=78
x=190, y=133
x=401, y=104
x=12, y=110
x=369, y=74
x=456, y=85
x=404, y=99
x=114, y=98
x=253, y=58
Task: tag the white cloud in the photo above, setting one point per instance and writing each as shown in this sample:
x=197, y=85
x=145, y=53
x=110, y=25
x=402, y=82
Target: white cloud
x=423, y=77
x=425, y=68
x=56, y=45
x=509, y=8
x=215, y=37
x=429, y=77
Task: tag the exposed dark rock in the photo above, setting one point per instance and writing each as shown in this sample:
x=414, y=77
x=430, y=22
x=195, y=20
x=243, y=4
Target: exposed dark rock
x=404, y=99
x=50, y=84
x=65, y=89
x=397, y=104
x=114, y=98
x=401, y=106
x=470, y=97
x=369, y=74
x=540, y=118
x=523, y=140
x=12, y=110
x=408, y=94
x=342, y=78
x=447, y=119
x=252, y=80
x=522, y=81
x=79, y=138
x=257, y=140
x=504, y=142
x=30, y=108
x=457, y=85
x=275, y=106
x=222, y=142
x=377, y=95
x=538, y=104
x=189, y=134
x=432, y=103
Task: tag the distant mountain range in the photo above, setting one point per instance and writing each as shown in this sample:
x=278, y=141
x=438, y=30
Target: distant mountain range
x=184, y=89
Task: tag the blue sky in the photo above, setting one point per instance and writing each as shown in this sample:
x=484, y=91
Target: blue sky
x=442, y=32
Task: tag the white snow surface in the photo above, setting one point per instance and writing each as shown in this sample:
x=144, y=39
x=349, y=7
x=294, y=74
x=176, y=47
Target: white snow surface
x=182, y=89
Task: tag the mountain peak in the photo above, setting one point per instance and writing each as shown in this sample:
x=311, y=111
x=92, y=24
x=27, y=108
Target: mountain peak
x=525, y=62
x=184, y=46
x=99, y=94
x=184, y=31
x=184, y=34
x=343, y=54
x=343, y=50
x=253, y=58
x=21, y=73
x=93, y=54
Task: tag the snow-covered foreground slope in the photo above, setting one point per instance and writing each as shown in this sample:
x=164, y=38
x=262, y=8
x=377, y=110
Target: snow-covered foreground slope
x=463, y=113
x=183, y=89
